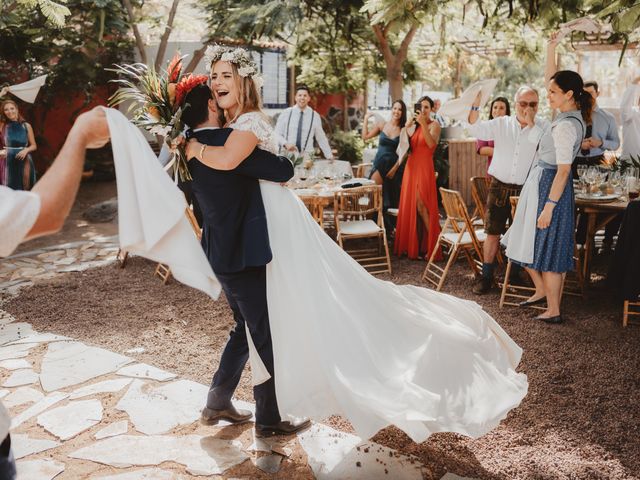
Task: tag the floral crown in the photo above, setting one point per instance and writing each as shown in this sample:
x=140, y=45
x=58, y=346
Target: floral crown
x=240, y=57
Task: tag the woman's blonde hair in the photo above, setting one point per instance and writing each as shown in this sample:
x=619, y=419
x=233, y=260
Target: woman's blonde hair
x=249, y=99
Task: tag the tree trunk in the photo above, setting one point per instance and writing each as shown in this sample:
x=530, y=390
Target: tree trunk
x=164, y=40
x=136, y=32
x=396, y=84
x=195, y=59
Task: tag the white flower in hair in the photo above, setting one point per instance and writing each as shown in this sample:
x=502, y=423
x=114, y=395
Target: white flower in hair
x=246, y=71
x=259, y=81
x=228, y=57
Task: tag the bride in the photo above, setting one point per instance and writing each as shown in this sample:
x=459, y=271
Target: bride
x=345, y=342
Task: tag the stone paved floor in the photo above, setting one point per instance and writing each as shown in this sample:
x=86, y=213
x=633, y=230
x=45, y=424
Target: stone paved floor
x=79, y=411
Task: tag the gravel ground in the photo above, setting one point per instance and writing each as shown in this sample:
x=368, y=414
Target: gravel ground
x=578, y=421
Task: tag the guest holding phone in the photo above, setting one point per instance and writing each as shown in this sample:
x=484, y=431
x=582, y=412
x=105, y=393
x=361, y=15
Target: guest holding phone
x=418, y=225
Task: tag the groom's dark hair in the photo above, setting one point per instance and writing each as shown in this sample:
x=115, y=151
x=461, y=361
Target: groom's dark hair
x=196, y=109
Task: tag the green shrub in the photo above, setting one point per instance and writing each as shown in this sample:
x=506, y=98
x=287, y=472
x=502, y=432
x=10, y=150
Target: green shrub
x=349, y=145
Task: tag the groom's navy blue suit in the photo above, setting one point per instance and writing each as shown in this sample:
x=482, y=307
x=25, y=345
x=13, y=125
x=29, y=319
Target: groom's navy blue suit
x=236, y=241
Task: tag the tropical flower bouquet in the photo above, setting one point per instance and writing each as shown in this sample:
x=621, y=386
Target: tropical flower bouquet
x=157, y=103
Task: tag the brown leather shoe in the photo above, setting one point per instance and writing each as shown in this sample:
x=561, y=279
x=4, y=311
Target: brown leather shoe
x=281, y=428
x=210, y=416
x=483, y=285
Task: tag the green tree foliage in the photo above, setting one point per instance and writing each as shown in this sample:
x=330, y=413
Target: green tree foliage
x=54, y=12
x=95, y=36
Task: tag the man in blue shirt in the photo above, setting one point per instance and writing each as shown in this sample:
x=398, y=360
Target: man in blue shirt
x=601, y=135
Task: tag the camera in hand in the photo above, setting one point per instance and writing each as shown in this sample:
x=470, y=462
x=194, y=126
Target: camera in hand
x=417, y=108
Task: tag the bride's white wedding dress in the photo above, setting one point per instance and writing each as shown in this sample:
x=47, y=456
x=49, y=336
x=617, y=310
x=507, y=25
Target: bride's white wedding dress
x=377, y=353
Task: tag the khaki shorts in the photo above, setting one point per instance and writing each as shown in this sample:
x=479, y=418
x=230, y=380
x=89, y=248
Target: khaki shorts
x=499, y=206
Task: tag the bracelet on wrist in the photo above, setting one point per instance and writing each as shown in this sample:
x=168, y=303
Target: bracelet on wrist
x=553, y=202
x=474, y=108
x=202, y=149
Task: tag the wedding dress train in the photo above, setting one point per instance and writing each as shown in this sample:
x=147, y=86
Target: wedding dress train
x=376, y=353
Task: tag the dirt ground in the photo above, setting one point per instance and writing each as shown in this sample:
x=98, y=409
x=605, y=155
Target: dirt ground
x=578, y=421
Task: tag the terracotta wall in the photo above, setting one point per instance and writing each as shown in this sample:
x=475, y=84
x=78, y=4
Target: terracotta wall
x=331, y=107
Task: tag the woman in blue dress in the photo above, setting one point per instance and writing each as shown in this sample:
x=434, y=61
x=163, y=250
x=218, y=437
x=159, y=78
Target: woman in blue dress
x=384, y=171
x=19, y=142
x=541, y=237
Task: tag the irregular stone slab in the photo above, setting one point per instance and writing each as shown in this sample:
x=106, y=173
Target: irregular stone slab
x=200, y=455
x=106, y=386
x=23, y=445
x=41, y=338
x=334, y=455
x=15, y=351
x=38, y=408
x=6, y=317
x=102, y=212
x=21, y=377
x=144, y=474
x=142, y=370
x=21, y=396
x=4, y=393
x=158, y=410
x=10, y=332
x=15, y=364
x=39, y=469
x=68, y=421
x=71, y=363
x=269, y=445
x=269, y=463
x=112, y=430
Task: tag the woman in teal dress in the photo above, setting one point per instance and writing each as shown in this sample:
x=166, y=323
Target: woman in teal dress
x=383, y=171
x=19, y=142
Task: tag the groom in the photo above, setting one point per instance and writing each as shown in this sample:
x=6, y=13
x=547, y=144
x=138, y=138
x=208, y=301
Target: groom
x=236, y=241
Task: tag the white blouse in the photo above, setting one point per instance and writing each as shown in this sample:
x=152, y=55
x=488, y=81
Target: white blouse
x=565, y=135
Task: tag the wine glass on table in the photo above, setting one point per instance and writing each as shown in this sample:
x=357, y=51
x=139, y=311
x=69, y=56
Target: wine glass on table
x=582, y=171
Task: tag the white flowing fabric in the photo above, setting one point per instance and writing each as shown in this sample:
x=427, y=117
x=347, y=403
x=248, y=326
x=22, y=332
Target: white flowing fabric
x=28, y=91
x=458, y=108
x=379, y=354
x=520, y=239
x=151, y=210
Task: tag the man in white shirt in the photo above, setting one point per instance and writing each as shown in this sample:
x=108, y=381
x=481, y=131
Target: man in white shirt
x=513, y=157
x=29, y=214
x=300, y=125
x=630, y=113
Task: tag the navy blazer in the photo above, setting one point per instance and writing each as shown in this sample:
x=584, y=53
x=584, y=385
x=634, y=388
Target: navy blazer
x=234, y=230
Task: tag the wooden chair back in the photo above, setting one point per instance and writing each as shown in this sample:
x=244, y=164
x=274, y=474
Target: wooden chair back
x=480, y=193
x=458, y=218
x=358, y=204
x=363, y=170
x=314, y=206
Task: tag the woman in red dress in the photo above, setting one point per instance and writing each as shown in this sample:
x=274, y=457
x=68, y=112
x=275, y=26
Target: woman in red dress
x=418, y=224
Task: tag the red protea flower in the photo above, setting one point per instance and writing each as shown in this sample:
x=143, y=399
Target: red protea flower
x=175, y=68
x=185, y=85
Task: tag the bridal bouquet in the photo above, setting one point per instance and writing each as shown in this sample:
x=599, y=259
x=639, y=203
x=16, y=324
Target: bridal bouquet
x=157, y=103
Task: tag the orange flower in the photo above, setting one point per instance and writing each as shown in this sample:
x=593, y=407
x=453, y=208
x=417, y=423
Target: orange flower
x=154, y=112
x=185, y=85
x=175, y=68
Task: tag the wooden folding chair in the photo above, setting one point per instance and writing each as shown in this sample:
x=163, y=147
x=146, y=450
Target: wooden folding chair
x=358, y=215
x=363, y=170
x=122, y=257
x=162, y=270
x=630, y=308
x=457, y=235
x=479, y=193
x=314, y=205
